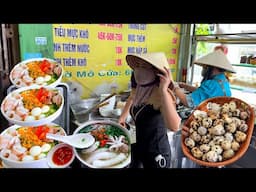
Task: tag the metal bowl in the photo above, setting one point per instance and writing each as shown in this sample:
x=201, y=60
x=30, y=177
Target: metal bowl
x=83, y=105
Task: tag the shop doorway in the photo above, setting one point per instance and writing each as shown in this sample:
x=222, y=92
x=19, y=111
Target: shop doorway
x=9, y=56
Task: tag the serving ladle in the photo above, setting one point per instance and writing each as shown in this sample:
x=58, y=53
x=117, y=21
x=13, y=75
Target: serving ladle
x=80, y=140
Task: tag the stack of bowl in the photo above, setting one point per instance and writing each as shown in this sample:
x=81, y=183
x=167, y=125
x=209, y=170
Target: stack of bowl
x=32, y=108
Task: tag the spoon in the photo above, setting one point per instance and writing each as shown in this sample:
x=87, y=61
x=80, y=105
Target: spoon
x=81, y=140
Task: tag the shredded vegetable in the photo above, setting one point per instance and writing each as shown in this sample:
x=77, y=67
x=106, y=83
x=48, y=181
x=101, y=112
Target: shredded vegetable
x=35, y=70
x=28, y=137
x=30, y=101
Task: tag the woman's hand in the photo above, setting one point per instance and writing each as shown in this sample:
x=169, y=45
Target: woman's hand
x=171, y=85
x=168, y=104
x=165, y=79
x=182, y=84
x=122, y=120
x=185, y=131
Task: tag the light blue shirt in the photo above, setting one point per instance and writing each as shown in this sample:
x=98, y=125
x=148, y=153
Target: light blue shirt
x=218, y=86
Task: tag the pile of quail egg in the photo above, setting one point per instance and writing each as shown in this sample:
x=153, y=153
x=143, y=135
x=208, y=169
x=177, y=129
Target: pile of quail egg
x=217, y=133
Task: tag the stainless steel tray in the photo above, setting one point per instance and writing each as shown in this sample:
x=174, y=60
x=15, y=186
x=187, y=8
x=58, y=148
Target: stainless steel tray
x=64, y=119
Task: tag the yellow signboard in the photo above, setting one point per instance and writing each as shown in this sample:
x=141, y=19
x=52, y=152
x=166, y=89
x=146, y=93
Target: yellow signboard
x=93, y=55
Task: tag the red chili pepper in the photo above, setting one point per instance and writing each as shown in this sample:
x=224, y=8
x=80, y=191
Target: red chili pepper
x=103, y=142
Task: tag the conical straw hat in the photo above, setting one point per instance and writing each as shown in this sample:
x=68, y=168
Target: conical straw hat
x=157, y=59
x=216, y=59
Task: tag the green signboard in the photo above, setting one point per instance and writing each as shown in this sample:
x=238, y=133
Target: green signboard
x=36, y=40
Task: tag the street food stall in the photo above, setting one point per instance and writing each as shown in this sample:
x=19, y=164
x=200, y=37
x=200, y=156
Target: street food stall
x=91, y=82
x=240, y=46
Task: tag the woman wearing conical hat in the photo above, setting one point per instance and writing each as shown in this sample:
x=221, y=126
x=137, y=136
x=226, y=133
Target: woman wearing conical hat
x=214, y=82
x=153, y=109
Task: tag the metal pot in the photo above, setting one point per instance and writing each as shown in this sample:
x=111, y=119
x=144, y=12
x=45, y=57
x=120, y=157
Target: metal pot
x=83, y=105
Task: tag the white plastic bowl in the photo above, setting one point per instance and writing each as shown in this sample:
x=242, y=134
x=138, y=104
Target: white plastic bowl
x=38, y=122
x=106, y=110
x=50, y=161
x=52, y=85
x=117, y=112
x=78, y=154
x=40, y=163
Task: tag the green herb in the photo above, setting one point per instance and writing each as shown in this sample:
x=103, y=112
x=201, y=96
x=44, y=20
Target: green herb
x=86, y=129
x=53, y=109
x=114, y=131
x=54, y=77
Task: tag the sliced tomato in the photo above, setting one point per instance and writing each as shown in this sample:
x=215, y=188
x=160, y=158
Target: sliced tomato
x=39, y=93
x=42, y=136
x=45, y=65
x=39, y=130
x=42, y=94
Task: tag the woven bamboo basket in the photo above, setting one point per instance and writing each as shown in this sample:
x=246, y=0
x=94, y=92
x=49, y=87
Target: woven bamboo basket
x=243, y=146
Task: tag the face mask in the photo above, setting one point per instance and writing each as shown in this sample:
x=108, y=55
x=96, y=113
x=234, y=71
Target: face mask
x=144, y=76
x=204, y=70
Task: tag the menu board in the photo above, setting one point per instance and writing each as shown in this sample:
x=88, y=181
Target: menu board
x=93, y=55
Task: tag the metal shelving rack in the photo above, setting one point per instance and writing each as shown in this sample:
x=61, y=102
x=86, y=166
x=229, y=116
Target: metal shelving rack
x=228, y=38
x=244, y=65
